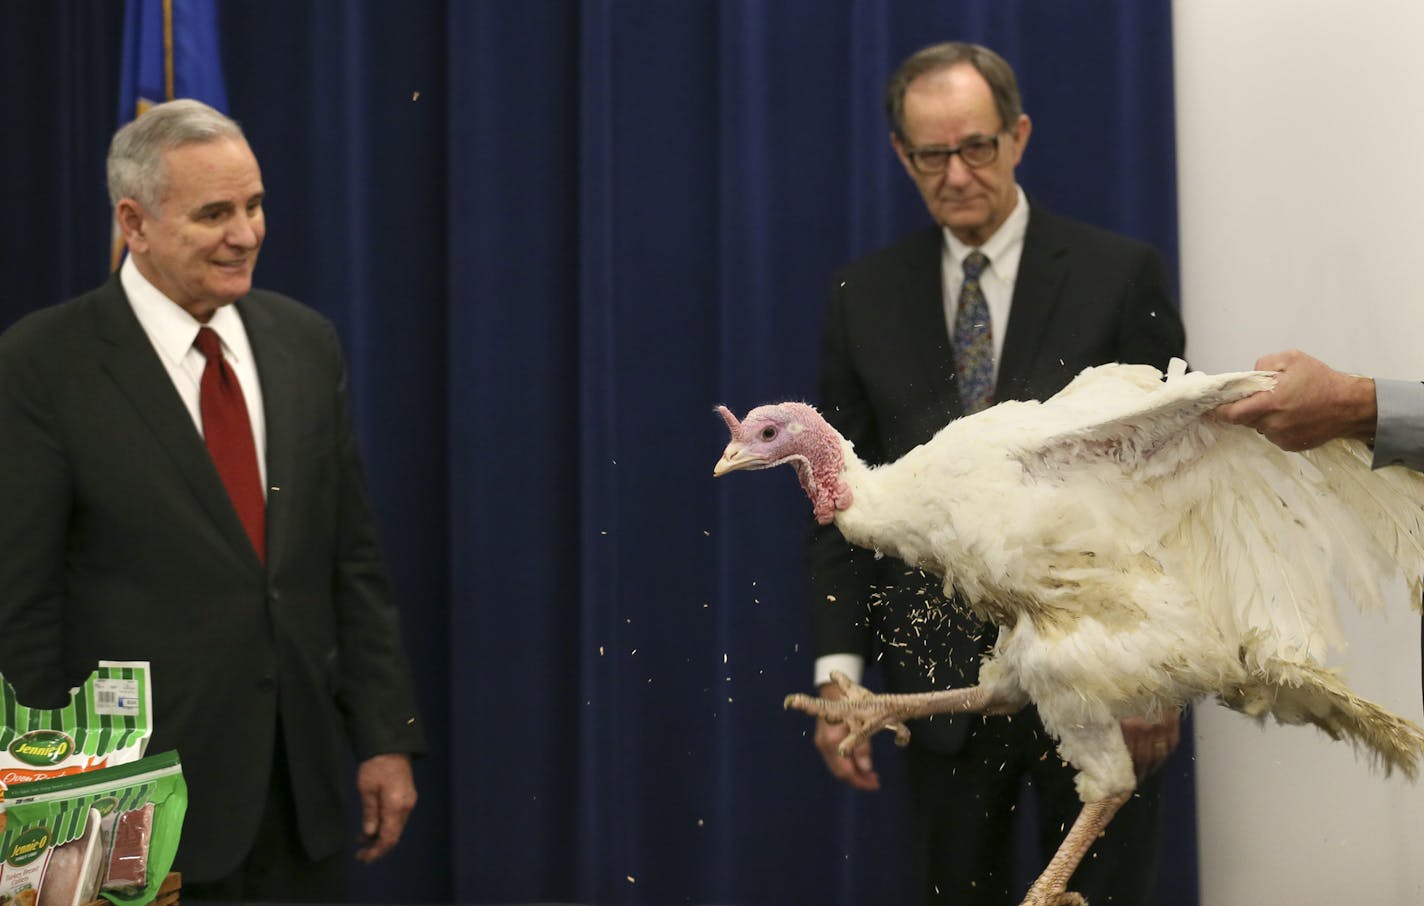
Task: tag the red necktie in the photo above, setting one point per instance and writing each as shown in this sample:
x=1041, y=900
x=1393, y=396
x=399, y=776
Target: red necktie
x=228, y=433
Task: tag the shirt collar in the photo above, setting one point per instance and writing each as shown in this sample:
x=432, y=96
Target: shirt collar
x=1003, y=249
x=171, y=329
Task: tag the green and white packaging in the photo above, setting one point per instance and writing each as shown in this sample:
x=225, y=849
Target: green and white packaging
x=107, y=722
x=41, y=816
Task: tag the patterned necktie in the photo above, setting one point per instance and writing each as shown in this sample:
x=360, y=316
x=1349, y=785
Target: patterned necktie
x=974, y=339
x=227, y=431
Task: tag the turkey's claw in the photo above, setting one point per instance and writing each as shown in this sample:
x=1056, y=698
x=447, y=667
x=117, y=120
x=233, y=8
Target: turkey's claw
x=863, y=712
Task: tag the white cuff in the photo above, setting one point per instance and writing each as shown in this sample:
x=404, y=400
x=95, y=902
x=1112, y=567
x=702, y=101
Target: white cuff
x=852, y=665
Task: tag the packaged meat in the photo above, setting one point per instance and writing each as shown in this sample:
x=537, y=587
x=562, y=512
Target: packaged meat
x=72, y=877
x=142, y=804
x=128, y=860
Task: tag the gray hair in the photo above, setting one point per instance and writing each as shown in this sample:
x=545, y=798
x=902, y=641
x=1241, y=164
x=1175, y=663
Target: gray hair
x=135, y=164
x=994, y=68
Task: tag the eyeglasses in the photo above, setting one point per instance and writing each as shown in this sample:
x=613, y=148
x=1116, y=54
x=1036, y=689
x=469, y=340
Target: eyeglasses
x=976, y=151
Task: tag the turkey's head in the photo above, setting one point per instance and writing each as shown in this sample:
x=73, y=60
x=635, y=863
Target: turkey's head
x=791, y=433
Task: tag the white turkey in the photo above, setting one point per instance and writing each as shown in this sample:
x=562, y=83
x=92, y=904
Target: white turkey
x=1134, y=551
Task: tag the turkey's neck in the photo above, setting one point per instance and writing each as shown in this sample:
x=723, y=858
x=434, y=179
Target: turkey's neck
x=883, y=518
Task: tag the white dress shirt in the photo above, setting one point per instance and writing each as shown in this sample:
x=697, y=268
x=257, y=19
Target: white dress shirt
x=172, y=331
x=1004, y=249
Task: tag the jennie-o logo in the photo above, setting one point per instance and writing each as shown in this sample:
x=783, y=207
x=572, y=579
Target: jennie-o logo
x=28, y=847
x=42, y=748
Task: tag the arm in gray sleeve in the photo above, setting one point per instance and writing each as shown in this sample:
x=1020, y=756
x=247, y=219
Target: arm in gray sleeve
x=1399, y=430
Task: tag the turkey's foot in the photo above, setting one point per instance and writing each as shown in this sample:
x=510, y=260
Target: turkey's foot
x=1063, y=899
x=866, y=713
x=1051, y=887
x=858, y=708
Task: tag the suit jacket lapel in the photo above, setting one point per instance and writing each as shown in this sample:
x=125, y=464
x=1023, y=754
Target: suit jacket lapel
x=922, y=300
x=277, y=374
x=134, y=366
x=1042, y=268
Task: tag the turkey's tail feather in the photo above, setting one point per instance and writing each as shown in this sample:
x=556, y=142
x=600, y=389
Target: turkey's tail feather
x=1298, y=692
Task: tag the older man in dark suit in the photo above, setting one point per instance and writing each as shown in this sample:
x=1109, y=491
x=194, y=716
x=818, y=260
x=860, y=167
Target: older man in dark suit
x=999, y=300
x=180, y=484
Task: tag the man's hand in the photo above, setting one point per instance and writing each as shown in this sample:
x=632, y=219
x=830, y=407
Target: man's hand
x=387, y=791
x=1312, y=403
x=1151, y=743
x=857, y=770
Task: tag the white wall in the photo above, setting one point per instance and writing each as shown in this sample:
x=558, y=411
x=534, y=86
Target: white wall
x=1301, y=168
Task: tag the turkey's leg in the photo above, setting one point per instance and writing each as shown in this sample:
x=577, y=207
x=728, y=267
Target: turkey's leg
x=1051, y=887
x=865, y=713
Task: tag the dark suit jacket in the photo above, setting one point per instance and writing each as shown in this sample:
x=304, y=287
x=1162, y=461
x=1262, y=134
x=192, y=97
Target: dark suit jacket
x=1082, y=297
x=118, y=541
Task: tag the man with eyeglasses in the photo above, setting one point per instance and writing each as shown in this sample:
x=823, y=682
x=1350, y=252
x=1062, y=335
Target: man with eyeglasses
x=999, y=300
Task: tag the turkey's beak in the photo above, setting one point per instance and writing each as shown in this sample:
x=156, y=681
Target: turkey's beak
x=736, y=457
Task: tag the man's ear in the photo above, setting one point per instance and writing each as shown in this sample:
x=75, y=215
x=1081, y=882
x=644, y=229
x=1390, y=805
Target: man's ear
x=899, y=147
x=132, y=220
x=1020, y=133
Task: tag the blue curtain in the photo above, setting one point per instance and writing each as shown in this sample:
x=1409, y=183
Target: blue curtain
x=553, y=235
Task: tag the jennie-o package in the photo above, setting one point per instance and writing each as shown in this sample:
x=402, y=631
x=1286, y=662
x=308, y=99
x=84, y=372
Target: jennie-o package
x=111, y=832
x=107, y=722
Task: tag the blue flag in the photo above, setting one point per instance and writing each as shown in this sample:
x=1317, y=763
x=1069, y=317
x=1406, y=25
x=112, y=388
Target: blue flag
x=170, y=51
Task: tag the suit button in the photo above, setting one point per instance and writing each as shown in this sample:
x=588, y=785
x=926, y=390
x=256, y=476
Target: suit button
x=266, y=684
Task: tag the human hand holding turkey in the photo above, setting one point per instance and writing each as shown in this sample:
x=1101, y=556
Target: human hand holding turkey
x=1151, y=742
x=1312, y=403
